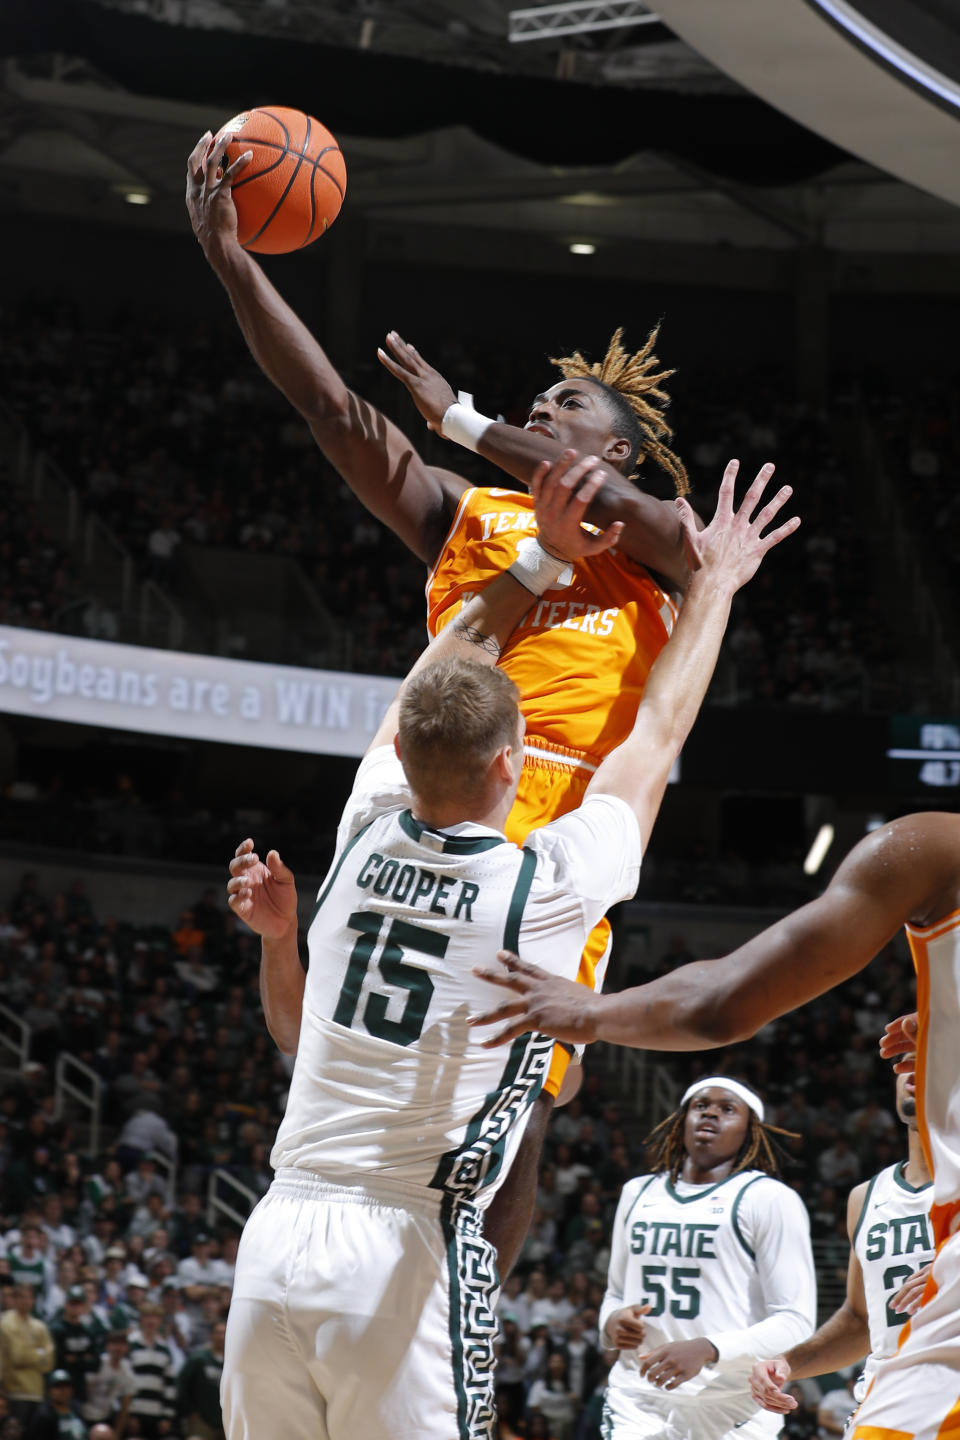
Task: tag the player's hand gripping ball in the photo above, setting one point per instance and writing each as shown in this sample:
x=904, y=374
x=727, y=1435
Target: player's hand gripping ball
x=291, y=191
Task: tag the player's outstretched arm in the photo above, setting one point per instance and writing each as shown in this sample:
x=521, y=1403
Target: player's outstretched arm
x=906, y=871
x=263, y=894
x=652, y=533
x=562, y=495
x=376, y=460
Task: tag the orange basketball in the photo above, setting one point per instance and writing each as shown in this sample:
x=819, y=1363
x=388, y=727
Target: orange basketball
x=292, y=189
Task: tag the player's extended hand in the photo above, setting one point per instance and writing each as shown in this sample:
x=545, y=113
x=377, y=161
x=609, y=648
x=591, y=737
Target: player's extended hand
x=732, y=546
x=669, y=1365
x=429, y=391
x=909, y=1297
x=547, y=1003
x=767, y=1379
x=563, y=491
x=263, y=894
x=210, y=206
x=899, y=1038
x=626, y=1328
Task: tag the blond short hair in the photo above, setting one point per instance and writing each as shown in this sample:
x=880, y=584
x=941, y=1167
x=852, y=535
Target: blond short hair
x=454, y=717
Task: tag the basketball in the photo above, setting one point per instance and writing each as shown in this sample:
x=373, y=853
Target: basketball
x=292, y=189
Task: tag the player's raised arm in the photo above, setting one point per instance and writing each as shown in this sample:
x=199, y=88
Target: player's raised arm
x=376, y=460
x=652, y=533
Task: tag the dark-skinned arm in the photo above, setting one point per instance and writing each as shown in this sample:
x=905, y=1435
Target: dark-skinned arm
x=376, y=459
x=652, y=533
x=906, y=871
x=507, y=1220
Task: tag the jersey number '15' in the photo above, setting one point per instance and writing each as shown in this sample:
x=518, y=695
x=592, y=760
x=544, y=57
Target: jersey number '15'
x=396, y=936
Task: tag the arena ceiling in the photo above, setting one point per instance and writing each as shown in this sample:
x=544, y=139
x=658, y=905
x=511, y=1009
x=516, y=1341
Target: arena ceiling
x=617, y=135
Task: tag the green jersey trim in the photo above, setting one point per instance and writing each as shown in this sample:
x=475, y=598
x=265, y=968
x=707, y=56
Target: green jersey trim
x=450, y=844
x=904, y=1183
x=521, y=893
x=865, y=1208
x=336, y=871
x=735, y=1216
x=689, y=1199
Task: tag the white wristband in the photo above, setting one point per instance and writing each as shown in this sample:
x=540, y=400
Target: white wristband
x=464, y=424
x=535, y=568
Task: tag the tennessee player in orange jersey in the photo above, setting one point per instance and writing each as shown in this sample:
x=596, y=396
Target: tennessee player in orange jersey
x=905, y=874
x=614, y=411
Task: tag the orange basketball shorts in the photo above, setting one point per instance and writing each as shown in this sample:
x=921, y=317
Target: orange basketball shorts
x=552, y=783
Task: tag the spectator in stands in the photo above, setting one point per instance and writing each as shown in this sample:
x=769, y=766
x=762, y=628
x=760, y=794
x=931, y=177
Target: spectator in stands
x=552, y=1397
x=29, y=1262
x=56, y=1418
x=153, y=1401
x=27, y=1353
x=111, y=1386
x=198, y=1388
x=77, y=1339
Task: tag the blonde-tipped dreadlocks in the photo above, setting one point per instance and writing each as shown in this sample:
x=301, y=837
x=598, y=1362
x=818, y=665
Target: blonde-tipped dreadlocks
x=759, y=1150
x=638, y=384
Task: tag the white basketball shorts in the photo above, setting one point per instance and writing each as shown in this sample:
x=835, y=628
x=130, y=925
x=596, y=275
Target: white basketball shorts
x=360, y=1315
x=661, y=1417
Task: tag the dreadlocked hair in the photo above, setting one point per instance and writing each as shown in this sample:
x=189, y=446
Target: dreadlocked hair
x=634, y=386
x=759, y=1151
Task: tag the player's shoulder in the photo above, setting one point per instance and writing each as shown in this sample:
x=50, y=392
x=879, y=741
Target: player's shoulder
x=757, y=1191
x=636, y=1187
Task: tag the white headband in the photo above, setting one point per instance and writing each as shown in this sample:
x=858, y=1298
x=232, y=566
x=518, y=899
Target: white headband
x=735, y=1088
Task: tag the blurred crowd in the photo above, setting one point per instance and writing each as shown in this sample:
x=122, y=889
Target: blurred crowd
x=180, y=443
x=115, y=1272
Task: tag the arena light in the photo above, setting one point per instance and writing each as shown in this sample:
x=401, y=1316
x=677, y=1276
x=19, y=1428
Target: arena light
x=137, y=197
x=874, y=822
x=818, y=850
x=582, y=247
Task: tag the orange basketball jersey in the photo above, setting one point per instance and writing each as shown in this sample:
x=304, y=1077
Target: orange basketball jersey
x=581, y=656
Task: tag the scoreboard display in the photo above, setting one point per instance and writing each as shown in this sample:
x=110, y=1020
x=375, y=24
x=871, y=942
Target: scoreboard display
x=924, y=755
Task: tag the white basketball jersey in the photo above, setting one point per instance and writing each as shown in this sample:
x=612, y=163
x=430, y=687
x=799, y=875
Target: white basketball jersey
x=712, y=1261
x=389, y=1078
x=892, y=1240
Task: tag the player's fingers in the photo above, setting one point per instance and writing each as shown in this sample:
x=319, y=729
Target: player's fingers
x=506, y=1011
x=772, y=508
x=775, y=536
x=214, y=157
x=906, y=1066
x=195, y=162
x=232, y=171
x=751, y=500
x=566, y=471
x=537, y=479
x=725, y=493
x=503, y=1037
x=278, y=868
x=244, y=847
x=597, y=544
x=388, y=363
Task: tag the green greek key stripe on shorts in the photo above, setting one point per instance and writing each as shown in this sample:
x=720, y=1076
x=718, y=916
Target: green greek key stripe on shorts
x=471, y=1263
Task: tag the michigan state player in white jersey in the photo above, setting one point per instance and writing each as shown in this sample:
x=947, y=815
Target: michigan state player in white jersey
x=710, y=1266
x=891, y=1248
x=363, y=1299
